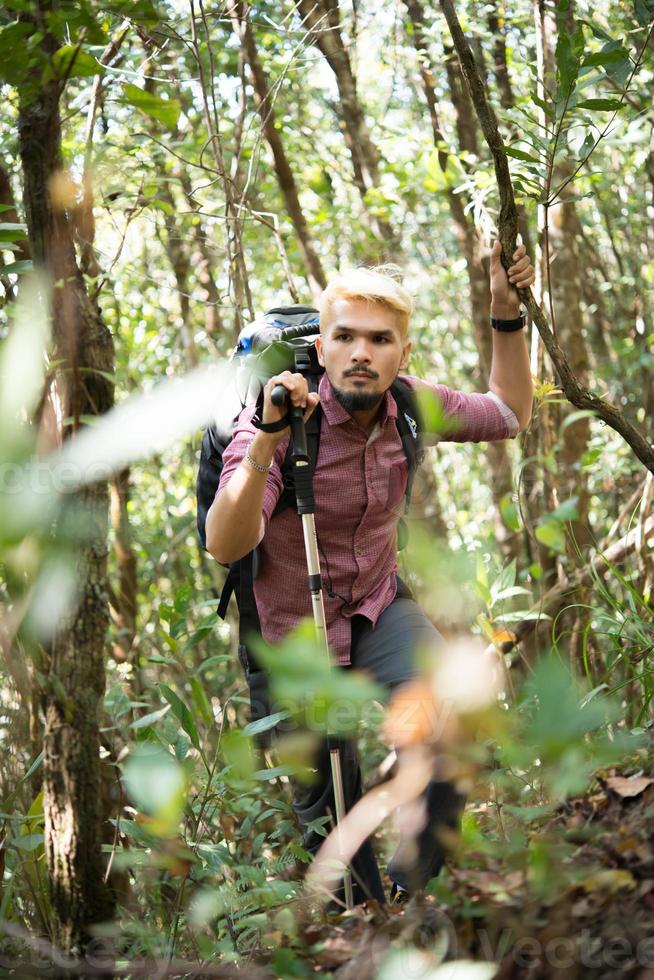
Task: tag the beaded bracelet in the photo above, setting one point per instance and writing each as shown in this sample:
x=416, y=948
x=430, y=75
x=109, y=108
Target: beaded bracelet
x=259, y=467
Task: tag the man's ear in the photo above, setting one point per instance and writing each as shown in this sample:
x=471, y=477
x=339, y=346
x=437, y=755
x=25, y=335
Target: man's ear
x=406, y=351
x=319, y=352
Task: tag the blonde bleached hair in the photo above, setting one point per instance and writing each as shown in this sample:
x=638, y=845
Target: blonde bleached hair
x=381, y=284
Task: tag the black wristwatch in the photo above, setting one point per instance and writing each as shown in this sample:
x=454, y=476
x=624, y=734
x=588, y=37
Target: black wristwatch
x=509, y=326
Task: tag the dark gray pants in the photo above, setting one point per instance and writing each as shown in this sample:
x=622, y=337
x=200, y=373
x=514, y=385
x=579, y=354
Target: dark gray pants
x=388, y=653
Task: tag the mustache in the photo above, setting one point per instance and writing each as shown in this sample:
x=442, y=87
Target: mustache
x=368, y=374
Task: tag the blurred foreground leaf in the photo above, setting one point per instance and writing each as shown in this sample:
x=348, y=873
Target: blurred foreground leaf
x=306, y=686
x=156, y=784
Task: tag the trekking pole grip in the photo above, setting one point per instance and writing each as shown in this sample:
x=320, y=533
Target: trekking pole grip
x=302, y=475
x=300, y=452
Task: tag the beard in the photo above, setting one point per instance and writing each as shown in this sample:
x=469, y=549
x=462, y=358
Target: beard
x=357, y=401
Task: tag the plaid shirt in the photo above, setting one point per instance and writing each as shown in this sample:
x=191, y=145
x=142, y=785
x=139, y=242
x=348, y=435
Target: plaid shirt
x=359, y=487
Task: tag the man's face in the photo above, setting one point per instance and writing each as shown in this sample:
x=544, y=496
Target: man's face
x=362, y=348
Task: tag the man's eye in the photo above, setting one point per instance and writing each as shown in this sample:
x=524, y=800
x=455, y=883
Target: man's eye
x=342, y=336
x=380, y=339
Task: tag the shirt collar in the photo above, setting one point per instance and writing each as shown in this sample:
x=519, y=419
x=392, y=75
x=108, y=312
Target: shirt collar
x=336, y=414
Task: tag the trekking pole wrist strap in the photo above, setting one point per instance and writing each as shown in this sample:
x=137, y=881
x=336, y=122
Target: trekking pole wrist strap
x=271, y=426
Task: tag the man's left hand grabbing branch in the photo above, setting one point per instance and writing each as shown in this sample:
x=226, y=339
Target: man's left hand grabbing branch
x=510, y=377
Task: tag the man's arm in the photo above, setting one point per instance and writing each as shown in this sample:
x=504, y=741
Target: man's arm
x=235, y=522
x=510, y=377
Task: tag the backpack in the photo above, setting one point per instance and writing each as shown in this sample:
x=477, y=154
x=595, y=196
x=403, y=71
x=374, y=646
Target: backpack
x=282, y=339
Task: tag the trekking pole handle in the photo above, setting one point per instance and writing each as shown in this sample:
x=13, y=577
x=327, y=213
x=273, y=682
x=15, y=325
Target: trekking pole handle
x=300, y=452
x=278, y=396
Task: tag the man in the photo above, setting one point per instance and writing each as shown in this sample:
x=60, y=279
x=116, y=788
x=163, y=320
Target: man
x=373, y=624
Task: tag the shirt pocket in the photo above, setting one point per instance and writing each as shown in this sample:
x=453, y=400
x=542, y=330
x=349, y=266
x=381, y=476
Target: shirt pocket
x=396, y=487
x=390, y=483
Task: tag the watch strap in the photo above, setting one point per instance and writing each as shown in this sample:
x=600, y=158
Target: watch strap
x=508, y=326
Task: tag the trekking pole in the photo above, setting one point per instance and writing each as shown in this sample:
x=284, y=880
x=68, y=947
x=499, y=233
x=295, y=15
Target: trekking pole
x=306, y=509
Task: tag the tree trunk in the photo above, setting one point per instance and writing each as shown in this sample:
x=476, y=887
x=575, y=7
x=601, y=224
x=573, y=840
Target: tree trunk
x=322, y=18
x=180, y=262
x=496, y=23
x=566, y=275
x=124, y=597
x=317, y=279
x=76, y=679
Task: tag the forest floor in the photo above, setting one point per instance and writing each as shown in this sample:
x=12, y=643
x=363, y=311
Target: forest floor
x=581, y=905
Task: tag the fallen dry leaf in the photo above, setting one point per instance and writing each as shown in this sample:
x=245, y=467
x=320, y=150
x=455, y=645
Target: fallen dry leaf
x=628, y=786
x=609, y=879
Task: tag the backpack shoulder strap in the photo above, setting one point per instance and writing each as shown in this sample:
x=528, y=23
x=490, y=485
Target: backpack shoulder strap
x=410, y=428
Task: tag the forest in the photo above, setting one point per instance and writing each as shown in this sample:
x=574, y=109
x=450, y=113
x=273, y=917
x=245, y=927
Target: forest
x=170, y=170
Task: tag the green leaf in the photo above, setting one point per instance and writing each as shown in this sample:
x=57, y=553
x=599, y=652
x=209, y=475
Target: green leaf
x=566, y=511
x=595, y=29
x=16, y=268
x=552, y=536
x=182, y=713
x=164, y=206
x=569, y=48
x=157, y=658
x=201, y=702
x=156, y=783
x=165, y=111
x=443, y=180
x=605, y=105
x=220, y=658
x=14, y=59
x=583, y=413
x=70, y=61
x=265, y=774
x=150, y=718
x=512, y=591
x=140, y=11
x=507, y=577
x=35, y=765
x=644, y=11
x=592, y=694
x=509, y=512
x=512, y=151
x=560, y=720
x=265, y=724
x=523, y=616
x=607, y=56
x=11, y=231
x=28, y=842
x=547, y=107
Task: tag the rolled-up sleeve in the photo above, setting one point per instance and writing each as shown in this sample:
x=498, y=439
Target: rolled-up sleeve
x=459, y=416
x=244, y=433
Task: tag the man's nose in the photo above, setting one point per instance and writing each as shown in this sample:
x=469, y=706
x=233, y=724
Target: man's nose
x=360, y=352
